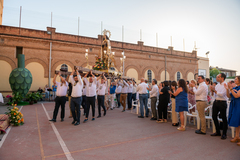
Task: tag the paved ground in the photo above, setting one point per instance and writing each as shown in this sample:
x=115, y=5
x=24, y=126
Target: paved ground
x=116, y=136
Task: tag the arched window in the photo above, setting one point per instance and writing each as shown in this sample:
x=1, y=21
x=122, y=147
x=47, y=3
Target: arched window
x=149, y=74
x=178, y=76
x=64, y=68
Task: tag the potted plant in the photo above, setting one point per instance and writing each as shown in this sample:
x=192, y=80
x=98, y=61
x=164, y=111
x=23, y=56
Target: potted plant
x=38, y=96
x=15, y=116
x=31, y=98
x=17, y=97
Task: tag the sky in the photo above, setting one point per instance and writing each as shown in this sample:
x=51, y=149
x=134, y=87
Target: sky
x=212, y=24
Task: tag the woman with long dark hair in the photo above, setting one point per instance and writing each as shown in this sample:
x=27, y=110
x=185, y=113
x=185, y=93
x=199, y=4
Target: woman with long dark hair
x=234, y=109
x=164, y=98
x=181, y=98
x=174, y=113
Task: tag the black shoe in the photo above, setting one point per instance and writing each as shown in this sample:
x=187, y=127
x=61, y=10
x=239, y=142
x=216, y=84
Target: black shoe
x=153, y=119
x=104, y=114
x=216, y=134
x=111, y=108
x=146, y=116
x=73, y=122
x=123, y=110
x=98, y=116
x=199, y=132
x=134, y=107
x=62, y=120
x=176, y=124
x=93, y=119
x=223, y=137
x=85, y=120
x=76, y=123
x=53, y=120
x=140, y=117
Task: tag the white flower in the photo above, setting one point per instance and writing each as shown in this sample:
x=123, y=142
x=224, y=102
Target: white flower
x=13, y=117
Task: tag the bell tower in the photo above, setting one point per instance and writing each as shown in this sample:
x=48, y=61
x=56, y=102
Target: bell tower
x=1, y=11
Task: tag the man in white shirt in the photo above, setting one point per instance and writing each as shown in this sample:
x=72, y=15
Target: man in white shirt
x=106, y=99
x=90, y=95
x=134, y=92
x=153, y=96
x=143, y=97
x=76, y=100
x=129, y=96
x=201, y=102
x=101, y=95
x=61, y=97
x=220, y=105
x=123, y=96
x=118, y=93
x=84, y=98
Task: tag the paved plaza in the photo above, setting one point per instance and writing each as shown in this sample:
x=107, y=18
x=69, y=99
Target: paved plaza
x=118, y=135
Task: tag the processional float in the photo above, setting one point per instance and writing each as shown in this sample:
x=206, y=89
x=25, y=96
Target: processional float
x=105, y=62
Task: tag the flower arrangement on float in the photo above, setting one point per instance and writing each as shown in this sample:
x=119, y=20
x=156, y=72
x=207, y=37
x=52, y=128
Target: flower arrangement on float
x=15, y=116
x=99, y=64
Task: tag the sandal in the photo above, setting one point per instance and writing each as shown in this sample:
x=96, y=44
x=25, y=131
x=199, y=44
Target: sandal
x=181, y=128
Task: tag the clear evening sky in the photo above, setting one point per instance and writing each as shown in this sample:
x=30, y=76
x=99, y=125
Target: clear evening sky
x=213, y=24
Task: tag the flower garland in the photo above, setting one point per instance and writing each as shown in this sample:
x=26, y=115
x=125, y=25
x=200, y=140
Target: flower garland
x=15, y=117
x=99, y=64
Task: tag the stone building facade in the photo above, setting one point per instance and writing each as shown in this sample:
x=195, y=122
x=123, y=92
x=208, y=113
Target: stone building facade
x=141, y=60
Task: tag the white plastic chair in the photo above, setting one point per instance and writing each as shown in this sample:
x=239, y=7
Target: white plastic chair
x=135, y=104
x=193, y=114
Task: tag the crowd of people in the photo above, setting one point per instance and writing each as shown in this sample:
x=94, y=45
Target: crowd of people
x=87, y=92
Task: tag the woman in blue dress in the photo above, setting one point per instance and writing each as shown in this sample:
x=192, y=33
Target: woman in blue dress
x=234, y=109
x=181, y=99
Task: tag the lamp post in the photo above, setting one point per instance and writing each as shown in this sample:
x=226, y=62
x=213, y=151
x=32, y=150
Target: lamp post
x=207, y=53
x=86, y=56
x=122, y=60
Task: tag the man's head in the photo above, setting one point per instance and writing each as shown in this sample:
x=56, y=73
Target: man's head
x=102, y=81
x=221, y=77
x=187, y=82
x=146, y=81
x=154, y=81
x=75, y=78
x=201, y=79
x=90, y=79
x=142, y=80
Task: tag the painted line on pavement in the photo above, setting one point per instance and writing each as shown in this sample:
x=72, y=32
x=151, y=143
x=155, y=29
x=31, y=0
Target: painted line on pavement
x=40, y=138
x=60, y=140
x=8, y=130
x=114, y=144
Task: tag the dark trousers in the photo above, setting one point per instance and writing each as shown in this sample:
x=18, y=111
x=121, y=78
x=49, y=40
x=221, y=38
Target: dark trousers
x=59, y=101
x=134, y=95
x=129, y=100
x=75, y=107
x=220, y=106
x=162, y=109
x=84, y=103
x=118, y=99
x=101, y=104
x=90, y=101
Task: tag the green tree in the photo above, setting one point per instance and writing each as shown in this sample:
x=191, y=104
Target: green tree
x=214, y=72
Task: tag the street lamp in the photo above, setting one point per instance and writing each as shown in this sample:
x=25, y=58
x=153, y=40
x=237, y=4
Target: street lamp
x=86, y=56
x=207, y=53
x=122, y=60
